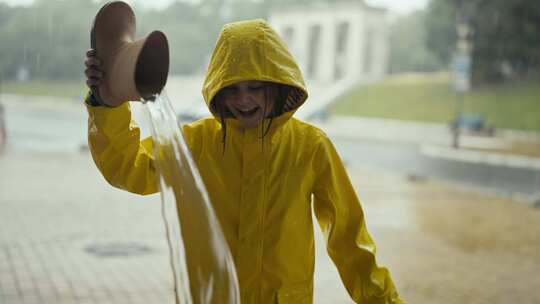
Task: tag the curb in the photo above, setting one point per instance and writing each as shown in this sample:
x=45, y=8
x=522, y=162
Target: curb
x=406, y=131
x=487, y=158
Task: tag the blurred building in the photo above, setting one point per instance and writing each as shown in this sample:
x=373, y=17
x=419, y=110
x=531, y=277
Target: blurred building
x=337, y=41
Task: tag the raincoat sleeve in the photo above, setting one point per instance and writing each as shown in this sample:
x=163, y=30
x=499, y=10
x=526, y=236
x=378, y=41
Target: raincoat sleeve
x=349, y=244
x=125, y=161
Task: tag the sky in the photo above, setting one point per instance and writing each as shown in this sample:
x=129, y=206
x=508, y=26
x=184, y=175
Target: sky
x=396, y=6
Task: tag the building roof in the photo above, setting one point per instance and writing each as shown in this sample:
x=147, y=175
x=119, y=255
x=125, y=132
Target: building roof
x=318, y=5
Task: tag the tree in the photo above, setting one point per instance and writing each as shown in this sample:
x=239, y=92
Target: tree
x=48, y=38
x=506, y=37
x=440, y=24
x=408, y=51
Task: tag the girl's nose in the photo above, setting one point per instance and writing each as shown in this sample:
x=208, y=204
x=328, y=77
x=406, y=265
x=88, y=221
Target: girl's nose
x=244, y=97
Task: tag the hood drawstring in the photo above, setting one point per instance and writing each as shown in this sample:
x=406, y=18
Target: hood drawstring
x=224, y=128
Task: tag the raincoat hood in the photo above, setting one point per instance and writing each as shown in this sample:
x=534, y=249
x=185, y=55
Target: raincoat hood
x=252, y=50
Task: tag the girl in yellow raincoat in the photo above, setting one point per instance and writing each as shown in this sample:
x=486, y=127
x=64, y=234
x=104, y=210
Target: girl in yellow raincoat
x=261, y=168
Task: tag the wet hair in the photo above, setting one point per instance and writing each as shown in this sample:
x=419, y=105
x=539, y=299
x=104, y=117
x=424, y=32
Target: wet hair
x=281, y=94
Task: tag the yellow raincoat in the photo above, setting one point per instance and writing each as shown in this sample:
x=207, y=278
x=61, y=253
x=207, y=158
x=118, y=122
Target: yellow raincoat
x=262, y=195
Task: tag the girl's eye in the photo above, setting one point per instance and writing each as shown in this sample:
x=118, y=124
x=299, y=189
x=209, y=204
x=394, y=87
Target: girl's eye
x=229, y=90
x=256, y=87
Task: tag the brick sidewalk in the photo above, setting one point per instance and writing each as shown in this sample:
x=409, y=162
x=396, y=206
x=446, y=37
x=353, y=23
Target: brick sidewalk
x=67, y=237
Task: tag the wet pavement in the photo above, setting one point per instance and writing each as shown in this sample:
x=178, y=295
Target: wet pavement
x=462, y=246
x=67, y=237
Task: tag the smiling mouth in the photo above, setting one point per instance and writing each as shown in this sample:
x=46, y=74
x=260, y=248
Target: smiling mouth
x=248, y=113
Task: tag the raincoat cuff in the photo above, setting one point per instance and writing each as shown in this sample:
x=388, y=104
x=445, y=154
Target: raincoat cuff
x=94, y=101
x=103, y=112
x=91, y=100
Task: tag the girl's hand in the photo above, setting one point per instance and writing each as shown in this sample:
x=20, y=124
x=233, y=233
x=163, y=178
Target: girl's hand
x=94, y=75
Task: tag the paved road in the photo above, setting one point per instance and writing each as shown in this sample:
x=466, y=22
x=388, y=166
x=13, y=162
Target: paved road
x=407, y=159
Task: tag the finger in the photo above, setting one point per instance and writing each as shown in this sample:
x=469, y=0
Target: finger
x=93, y=82
x=94, y=73
x=91, y=52
x=92, y=61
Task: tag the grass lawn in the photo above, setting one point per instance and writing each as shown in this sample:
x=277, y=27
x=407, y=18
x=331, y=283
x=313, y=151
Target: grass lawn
x=431, y=98
x=67, y=89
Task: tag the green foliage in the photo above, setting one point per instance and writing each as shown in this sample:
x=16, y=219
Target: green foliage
x=408, y=51
x=507, y=33
x=191, y=34
x=506, y=37
x=50, y=38
x=440, y=24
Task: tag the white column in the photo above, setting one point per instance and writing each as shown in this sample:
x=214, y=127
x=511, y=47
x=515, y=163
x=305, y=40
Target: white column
x=301, y=44
x=327, y=49
x=355, y=47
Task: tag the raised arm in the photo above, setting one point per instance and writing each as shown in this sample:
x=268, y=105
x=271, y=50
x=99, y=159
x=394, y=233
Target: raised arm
x=125, y=161
x=349, y=244
x=114, y=139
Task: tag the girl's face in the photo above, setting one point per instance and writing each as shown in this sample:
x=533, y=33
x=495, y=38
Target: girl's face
x=248, y=101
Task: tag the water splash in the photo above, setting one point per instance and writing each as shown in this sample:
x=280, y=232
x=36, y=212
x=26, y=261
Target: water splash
x=203, y=268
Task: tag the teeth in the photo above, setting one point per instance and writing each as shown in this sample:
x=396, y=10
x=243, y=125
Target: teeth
x=246, y=111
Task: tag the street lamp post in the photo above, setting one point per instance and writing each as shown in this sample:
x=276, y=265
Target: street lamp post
x=462, y=73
